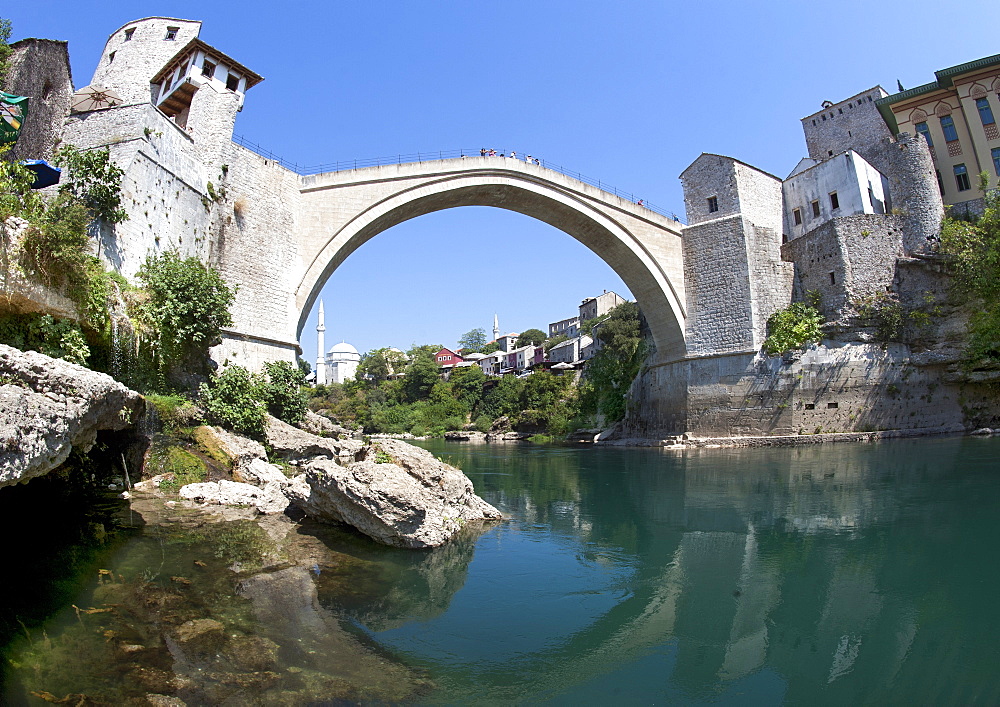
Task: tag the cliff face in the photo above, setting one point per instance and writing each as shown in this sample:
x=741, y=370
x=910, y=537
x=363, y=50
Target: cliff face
x=49, y=407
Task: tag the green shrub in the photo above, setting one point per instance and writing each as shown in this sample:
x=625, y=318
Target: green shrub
x=233, y=399
x=58, y=338
x=792, y=328
x=282, y=392
x=186, y=306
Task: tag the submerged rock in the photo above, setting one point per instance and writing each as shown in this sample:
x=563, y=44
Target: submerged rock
x=49, y=407
x=268, y=499
x=399, y=495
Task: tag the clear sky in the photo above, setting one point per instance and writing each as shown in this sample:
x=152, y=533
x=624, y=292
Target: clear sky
x=627, y=92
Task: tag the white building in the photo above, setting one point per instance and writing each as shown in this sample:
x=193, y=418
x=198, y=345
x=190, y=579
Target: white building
x=819, y=191
x=571, y=350
x=340, y=363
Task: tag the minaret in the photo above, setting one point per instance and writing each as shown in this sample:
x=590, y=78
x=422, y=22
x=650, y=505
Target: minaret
x=320, y=348
x=496, y=328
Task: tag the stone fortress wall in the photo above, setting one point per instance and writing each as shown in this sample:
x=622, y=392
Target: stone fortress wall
x=192, y=189
x=739, y=269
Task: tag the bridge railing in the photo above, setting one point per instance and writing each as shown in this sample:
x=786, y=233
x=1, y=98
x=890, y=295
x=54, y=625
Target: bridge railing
x=410, y=157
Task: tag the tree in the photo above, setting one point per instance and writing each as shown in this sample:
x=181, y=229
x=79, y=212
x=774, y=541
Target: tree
x=473, y=340
x=611, y=371
x=93, y=179
x=5, y=50
x=532, y=336
x=974, y=252
x=420, y=377
x=467, y=386
x=379, y=364
x=186, y=305
x=282, y=391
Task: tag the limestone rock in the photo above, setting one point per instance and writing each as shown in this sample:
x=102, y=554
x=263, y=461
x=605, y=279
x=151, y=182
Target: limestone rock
x=269, y=499
x=293, y=444
x=49, y=406
x=320, y=425
x=416, y=501
x=259, y=473
x=240, y=451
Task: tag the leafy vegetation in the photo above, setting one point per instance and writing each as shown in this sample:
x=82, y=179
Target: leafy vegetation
x=92, y=180
x=234, y=399
x=58, y=338
x=793, y=327
x=532, y=337
x=473, y=341
x=281, y=391
x=185, y=307
x=974, y=251
x=5, y=50
x=613, y=368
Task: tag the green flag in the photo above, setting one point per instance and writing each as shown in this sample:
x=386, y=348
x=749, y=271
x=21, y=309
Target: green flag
x=13, y=113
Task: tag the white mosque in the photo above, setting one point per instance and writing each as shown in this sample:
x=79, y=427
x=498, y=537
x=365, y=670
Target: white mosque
x=340, y=363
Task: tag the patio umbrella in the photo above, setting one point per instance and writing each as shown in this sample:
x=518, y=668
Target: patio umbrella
x=91, y=98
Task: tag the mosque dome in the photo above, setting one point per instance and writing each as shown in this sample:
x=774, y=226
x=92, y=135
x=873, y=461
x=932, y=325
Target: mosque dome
x=343, y=352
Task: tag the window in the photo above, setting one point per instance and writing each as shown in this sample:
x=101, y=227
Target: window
x=937, y=173
x=232, y=82
x=713, y=204
x=985, y=112
x=922, y=129
x=962, y=177
x=996, y=160
x=208, y=69
x=111, y=57
x=834, y=201
x=810, y=406
x=171, y=33
x=815, y=205
x=128, y=34
x=948, y=126
x=832, y=406
x=833, y=279
x=797, y=216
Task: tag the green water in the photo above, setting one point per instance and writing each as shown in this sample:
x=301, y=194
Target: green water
x=841, y=574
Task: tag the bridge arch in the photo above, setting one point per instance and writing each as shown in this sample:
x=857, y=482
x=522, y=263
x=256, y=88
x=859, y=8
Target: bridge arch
x=339, y=212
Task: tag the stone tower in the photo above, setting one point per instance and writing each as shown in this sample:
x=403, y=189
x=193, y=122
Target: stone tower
x=137, y=50
x=733, y=272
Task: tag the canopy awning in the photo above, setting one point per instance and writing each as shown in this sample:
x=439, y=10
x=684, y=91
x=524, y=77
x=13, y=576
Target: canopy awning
x=45, y=174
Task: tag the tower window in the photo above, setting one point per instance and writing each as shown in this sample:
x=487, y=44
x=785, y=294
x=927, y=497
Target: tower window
x=172, y=33
x=208, y=69
x=985, y=112
x=713, y=204
x=948, y=126
x=815, y=208
x=834, y=201
x=111, y=57
x=922, y=129
x=232, y=82
x=937, y=173
x=797, y=216
x=128, y=34
x=833, y=278
x=962, y=177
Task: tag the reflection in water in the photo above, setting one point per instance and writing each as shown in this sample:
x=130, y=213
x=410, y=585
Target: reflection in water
x=832, y=574
x=837, y=574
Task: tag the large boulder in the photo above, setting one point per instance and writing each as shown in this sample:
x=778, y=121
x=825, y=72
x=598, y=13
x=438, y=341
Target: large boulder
x=48, y=407
x=229, y=446
x=399, y=495
x=292, y=444
x=324, y=426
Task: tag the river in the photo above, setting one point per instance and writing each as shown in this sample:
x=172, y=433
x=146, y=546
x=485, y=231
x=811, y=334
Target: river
x=835, y=574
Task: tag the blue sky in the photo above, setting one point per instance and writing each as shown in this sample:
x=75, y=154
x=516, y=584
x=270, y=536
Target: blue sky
x=627, y=92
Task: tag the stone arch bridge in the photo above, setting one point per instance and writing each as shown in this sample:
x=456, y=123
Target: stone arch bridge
x=328, y=216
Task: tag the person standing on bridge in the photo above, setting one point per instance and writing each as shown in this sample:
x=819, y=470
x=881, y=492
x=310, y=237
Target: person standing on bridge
x=482, y=152
x=639, y=203
x=513, y=155
x=527, y=158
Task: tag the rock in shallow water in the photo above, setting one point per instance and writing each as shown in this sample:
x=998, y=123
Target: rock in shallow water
x=411, y=499
x=268, y=499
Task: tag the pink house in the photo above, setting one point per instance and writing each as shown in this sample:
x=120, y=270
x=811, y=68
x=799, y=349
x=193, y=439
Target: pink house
x=446, y=358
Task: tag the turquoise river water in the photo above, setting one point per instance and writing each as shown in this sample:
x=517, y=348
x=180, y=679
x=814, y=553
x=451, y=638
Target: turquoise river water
x=837, y=574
